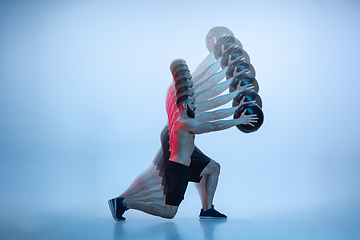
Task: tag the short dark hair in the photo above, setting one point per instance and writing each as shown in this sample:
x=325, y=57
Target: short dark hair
x=187, y=90
x=181, y=99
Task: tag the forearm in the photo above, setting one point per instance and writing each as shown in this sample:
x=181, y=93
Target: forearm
x=210, y=59
x=207, y=73
x=216, y=102
x=215, y=115
x=218, y=125
x=215, y=91
x=225, y=124
x=212, y=81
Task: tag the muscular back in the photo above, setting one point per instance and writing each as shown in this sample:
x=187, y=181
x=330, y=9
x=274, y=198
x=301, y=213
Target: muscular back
x=181, y=143
x=181, y=140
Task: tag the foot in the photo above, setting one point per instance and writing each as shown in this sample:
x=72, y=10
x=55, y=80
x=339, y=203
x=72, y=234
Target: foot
x=211, y=213
x=117, y=208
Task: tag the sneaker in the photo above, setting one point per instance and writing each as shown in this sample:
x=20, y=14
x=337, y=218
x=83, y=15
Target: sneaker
x=117, y=208
x=211, y=213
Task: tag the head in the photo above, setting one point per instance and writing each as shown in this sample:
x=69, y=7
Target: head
x=186, y=104
x=185, y=91
x=183, y=82
x=178, y=65
x=214, y=34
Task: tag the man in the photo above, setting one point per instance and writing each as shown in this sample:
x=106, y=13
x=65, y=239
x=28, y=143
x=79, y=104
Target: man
x=205, y=180
x=182, y=129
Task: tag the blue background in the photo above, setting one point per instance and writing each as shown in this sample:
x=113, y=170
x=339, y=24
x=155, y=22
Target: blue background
x=82, y=104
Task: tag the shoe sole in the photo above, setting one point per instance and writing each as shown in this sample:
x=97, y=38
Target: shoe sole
x=212, y=217
x=112, y=210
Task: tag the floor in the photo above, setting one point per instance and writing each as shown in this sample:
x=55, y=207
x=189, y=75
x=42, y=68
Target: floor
x=72, y=227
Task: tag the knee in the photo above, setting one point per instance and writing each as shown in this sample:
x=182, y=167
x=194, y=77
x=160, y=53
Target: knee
x=170, y=213
x=216, y=166
x=169, y=216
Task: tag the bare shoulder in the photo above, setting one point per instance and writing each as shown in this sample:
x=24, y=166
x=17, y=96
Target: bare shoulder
x=187, y=124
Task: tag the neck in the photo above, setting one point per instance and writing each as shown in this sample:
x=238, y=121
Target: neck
x=183, y=114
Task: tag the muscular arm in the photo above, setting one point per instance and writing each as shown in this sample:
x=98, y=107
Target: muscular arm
x=207, y=73
x=212, y=92
x=215, y=115
x=219, y=88
x=212, y=81
x=209, y=66
x=192, y=125
x=210, y=59
x=215, y=102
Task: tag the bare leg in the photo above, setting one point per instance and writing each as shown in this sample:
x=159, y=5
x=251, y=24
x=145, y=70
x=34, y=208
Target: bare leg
x=157, y=209
x=208, y=184
x=155, y=190
x=146, y=180
x=143, y=182
x=202, y=191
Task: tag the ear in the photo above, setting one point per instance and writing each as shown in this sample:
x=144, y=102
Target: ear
x=184, y=106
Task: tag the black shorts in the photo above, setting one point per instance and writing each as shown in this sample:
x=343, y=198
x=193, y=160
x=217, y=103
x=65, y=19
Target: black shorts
x=198, y=162
x=198, y=159
x=176, y=176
